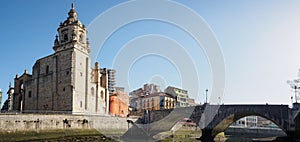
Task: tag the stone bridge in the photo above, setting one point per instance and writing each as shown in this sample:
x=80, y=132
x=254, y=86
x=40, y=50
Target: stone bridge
x=213, y=119
x=217, y=119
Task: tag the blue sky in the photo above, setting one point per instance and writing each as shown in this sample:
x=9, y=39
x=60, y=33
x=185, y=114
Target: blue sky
x=260, y=41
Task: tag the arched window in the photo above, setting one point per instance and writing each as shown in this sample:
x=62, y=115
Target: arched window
x=81, y=38
x=65, y=37
x=21, y=87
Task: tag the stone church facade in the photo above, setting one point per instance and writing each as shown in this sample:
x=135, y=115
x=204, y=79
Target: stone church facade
x=64, y=82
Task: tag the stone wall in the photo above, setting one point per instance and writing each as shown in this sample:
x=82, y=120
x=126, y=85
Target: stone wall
x=40, y=122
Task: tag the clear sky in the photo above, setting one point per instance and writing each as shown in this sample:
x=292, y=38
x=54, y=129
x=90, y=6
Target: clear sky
x=260, y=42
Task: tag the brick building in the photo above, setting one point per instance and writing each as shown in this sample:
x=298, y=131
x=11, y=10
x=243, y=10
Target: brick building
x=119, y=104
x=136, y=95
x=191, y=102
x=158, y=101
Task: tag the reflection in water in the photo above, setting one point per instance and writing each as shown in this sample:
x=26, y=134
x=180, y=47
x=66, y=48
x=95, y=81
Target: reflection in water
x=232, y=134
x=234, y=139
x=227, y=138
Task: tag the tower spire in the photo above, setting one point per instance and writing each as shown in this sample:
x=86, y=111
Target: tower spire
x=72, y=13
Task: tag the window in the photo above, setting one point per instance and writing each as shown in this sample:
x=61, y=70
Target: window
x=92, y=90
x=65, y=37
x=67, y=72
x=21, y=85
x=152, y=102
x=81, y=37
x=64, y=89
x=47, y=69
x=81, y=104
x=29, y=94
x=102, y=94
x=148, y=104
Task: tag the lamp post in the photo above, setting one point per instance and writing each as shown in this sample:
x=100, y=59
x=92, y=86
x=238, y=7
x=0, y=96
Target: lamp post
x=206, y=95
x=295, y=87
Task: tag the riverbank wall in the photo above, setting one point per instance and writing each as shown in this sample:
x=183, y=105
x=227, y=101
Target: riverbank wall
x=10, y=123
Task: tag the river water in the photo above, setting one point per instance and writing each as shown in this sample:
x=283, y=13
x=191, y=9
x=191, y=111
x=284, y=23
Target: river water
x=100, y=138
x=252, y=139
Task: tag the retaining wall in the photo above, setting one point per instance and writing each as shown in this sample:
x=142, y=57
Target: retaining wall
x=38, y=122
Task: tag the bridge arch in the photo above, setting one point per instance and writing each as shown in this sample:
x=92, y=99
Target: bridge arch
x=227, y=114
x=225, y=123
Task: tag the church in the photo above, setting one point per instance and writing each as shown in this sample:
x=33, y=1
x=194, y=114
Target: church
x=63, y=82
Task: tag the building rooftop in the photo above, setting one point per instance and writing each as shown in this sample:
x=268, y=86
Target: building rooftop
x=158, y=94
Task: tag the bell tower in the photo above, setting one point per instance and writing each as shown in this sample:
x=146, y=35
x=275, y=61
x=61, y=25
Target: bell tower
x=71, y=33
x=73, y=63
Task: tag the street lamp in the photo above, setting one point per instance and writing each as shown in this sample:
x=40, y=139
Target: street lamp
x=295, y=85
x=206, y=95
